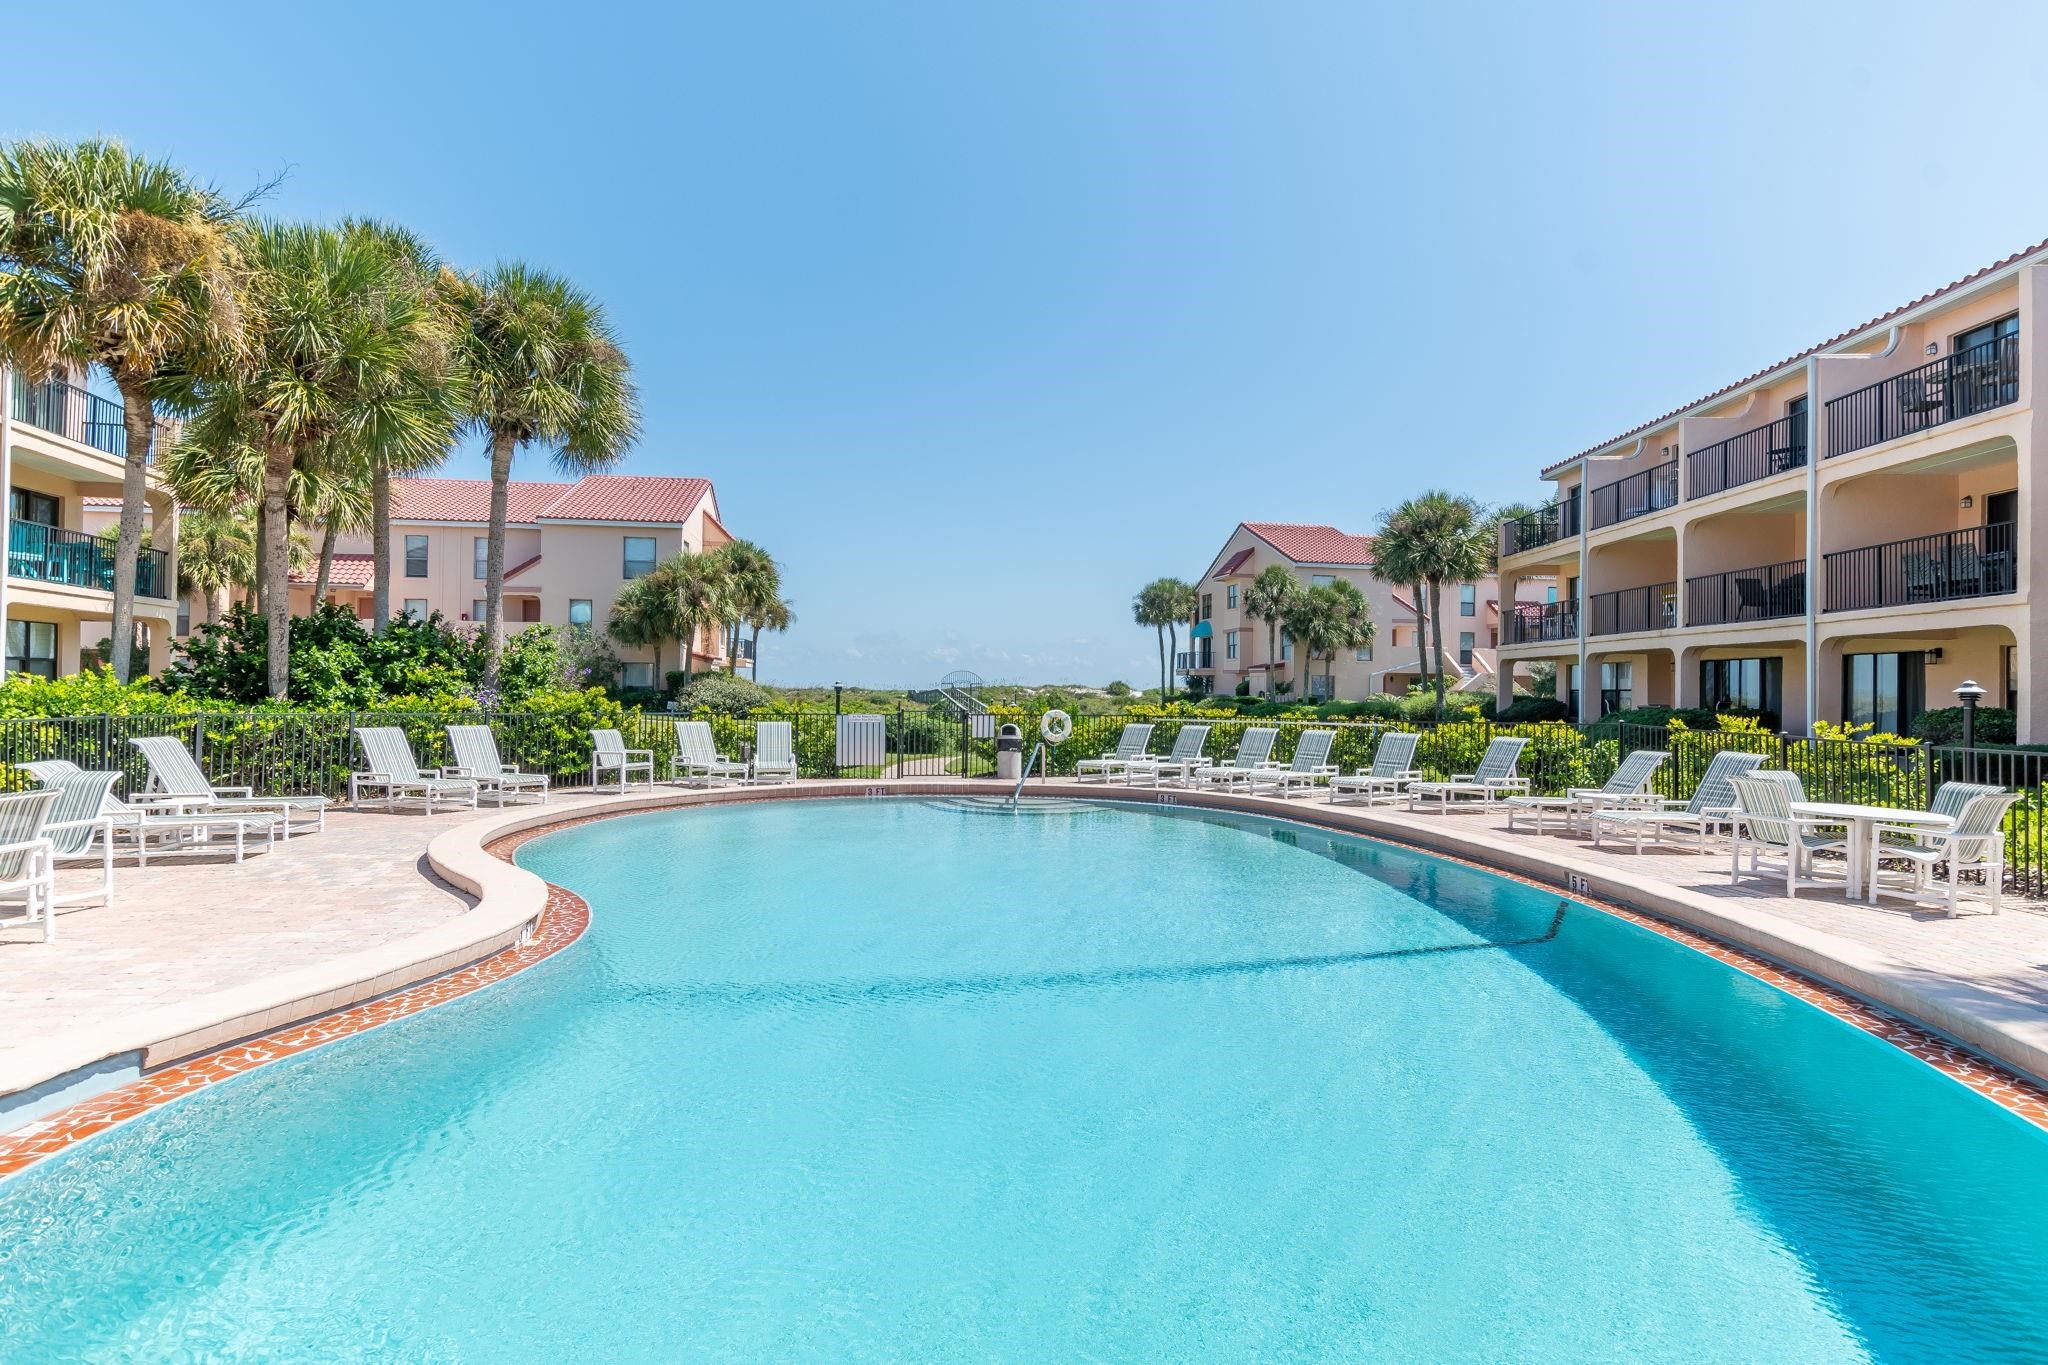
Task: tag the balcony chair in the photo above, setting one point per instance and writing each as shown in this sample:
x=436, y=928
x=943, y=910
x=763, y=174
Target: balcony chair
x=1922, y=394
x=1922, y=573
x=1751, y=599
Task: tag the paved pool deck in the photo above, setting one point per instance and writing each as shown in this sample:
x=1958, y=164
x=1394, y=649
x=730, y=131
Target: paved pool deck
x=195, y=954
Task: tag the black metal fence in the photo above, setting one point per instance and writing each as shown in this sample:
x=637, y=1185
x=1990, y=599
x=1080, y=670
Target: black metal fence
x=1544, y=526
x=1759, y=594
x=1971, y=381
x=1976, y=561
x=1541, y=622
x=304, y=752
x=1756, y=454
x=1654, y=607
x=1638, y=495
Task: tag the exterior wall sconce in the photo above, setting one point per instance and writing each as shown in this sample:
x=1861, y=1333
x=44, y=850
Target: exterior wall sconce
x=1934, y=656
x=1934, y=348
x=1968, y=500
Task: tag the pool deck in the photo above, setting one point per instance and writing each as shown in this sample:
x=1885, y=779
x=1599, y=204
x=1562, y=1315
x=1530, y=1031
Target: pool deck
x=195, y=955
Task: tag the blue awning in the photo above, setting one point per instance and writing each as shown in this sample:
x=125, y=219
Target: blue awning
x=1201, y=631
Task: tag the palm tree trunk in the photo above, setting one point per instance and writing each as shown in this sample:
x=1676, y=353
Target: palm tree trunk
x=502, y=446
x=326, y=573
x=212, y=596
x=138, y=420
x=259, y=590
x=380, y=548
x=1160, y=631
x=732, y=649
x=1272, y=653
x=754, y=657
x=277, y=605
x=1421, y=634
x=1436, y=622
x=1173, y=648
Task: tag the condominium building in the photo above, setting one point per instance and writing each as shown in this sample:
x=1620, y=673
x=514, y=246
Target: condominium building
x=1229, y=646
x=1846, y=535
x=62, y=450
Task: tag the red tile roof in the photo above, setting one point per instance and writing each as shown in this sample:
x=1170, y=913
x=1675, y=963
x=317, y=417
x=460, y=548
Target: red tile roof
x=101, y=502
x=1313, y=544
x=641, y=499
x=350, y=571
x=1815, y=349
x=1231, y=565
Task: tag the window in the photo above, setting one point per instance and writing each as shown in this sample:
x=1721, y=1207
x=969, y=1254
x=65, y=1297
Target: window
x=1988, y=333
x=1571, y=691
x=1617, y=687
x=639, y=556
x=1984, y=374
x=184, y=616
x=480, y=554
x=32, y=648
x=579, y=611
x=1468, y=599
x=1286, y=648
x=40, y=508
x=1364, y=654
x=2010, y=657
x=478, y=609
x=636, y=674
x=416, y=608
x=1230, y=596
x=1230, y=644
x=1321, y=580
x=1884, y=690
x=1550, y=593
x=415, y=556
x=1319, y=687
x=1465, y=645
x=1743, y=684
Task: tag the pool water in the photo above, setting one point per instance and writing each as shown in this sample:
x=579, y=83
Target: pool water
x=911, y=1080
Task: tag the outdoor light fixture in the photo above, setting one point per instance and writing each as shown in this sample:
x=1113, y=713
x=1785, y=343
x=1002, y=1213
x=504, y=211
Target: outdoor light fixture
x=1969, y=694
x=1969, y=501
x=1934, y=348
x=1933, y=656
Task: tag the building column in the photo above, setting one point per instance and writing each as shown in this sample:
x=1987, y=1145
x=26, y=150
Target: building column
x=2032, y=637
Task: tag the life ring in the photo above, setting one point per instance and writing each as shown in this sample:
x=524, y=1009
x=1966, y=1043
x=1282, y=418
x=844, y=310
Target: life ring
x=1054, y=727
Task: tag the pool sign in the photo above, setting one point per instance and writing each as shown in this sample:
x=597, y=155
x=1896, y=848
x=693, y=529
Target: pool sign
x=1577, y=884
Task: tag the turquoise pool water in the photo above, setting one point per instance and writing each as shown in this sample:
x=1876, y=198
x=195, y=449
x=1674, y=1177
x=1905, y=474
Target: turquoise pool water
x=894, y=1080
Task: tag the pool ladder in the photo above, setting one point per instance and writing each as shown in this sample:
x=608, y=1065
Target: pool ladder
x=1038, y=757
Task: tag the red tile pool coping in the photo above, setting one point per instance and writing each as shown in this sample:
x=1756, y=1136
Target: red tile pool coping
x=567, y=916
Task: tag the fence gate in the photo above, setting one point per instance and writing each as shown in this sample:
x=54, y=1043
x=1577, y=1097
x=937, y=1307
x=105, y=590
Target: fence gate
x=860, y=741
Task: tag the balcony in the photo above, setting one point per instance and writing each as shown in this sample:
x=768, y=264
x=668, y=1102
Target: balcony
x=1772, y=448
x=1765, y=593
x=1539, y=622
x=50, y=554
x=1194, y=661
x=1947, y=390
x=1947, y=567
x=86, y=418
x=1638, y=495
x=1544, y=526
x=1650, y=608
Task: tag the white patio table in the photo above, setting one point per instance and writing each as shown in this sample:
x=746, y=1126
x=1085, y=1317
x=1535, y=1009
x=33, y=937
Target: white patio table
x=1862, y=822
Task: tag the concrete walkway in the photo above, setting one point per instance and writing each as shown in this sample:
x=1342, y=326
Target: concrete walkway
x=185, y=929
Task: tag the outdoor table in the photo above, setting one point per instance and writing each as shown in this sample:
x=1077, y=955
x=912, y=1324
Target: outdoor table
x=1862, y=823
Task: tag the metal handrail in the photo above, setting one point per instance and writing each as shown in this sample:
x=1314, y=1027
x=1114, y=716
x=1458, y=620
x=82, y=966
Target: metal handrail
x=1971, y=381
x=1773, y=448
x=79, y=559
x=1037, y=756
x=1545, y=526
x=81, y=415
x=1617, y=501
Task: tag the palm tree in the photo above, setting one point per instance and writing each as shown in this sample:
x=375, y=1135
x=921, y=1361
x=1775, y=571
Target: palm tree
x=109, y=258
x=344, y=505
x=1443, y=537
x=540, y=365
x=644, y=614
x=216, y=555
x=778, y=617
x=1163, y=604
x=1267, y=599
x=1301, y=622
x=699, y=585
x=1397, y=558
x=753, y=587
x=1339, y=618
x=334, y=335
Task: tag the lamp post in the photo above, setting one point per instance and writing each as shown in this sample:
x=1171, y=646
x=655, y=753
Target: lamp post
x=1969, y=694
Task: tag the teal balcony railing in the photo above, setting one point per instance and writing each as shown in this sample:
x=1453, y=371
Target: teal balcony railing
x=51, y=554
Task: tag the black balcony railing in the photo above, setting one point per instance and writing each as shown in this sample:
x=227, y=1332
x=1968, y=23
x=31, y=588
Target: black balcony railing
x=1769, y=449
x=1544, y=526
x=1638, y=495
x=1949, y=566
x=1760, y=594
x=1649, y=608
x=1535, y=622
x=1962, y=385
x=1188, y=661
x=84, y=417
x=51, y=554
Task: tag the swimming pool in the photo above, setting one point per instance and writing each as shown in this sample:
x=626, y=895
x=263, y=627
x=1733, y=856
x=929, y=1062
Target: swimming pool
x=900, y=1079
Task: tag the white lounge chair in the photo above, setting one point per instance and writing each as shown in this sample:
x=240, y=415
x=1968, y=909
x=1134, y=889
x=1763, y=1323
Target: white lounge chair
x=1976, y=844
x=1309, y=767
x=1711, y=808
x=28, y=871
x=1494, y=778
x=1130, y=745
x=176, y=784
x=1393, y=768
x=80, y=830
x=1254, y=748
x=609, y=754
x=1152, y=770
x=476, y=757
x=1765, y=828
x=774, y=752
x=393, y=770
x=1629, y=786
x=696, y=758
x=172, y=832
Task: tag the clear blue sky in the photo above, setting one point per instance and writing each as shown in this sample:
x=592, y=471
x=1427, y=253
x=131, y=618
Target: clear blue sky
x=982, y=315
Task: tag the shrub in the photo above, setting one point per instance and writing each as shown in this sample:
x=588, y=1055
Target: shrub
x=1123, y=689
x=92, y=693
x=1533, y=708
x=335, y=660
x=1944, y=726
x=721, y=695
